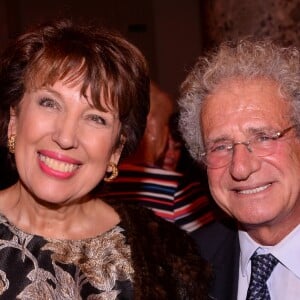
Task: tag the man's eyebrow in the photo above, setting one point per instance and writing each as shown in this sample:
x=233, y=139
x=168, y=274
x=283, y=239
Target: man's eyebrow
x=260, y=129
x=250, y=130
x=219, y=139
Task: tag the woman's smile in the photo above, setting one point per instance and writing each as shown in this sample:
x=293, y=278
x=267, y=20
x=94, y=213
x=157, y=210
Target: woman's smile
x=57, y=168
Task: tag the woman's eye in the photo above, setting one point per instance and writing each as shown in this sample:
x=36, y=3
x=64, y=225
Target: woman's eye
x=47, y=102
x=96, y=119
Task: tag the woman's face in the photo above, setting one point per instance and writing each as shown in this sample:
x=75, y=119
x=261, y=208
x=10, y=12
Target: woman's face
x=63, y=144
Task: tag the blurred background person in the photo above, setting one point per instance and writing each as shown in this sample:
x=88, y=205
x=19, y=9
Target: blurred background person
x=153, y=143
x=171, y=193
x=174, y=148
x=193, y=206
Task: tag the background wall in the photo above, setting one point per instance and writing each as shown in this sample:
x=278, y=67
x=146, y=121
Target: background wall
x=233, y=19
x=171, y=33
x=166, y=31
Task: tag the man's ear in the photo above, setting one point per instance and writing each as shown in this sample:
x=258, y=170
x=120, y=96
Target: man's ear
x=115, y=157
x=12, y=125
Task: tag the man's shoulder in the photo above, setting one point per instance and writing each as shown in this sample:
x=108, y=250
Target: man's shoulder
x=220, y=234
x=218, y=243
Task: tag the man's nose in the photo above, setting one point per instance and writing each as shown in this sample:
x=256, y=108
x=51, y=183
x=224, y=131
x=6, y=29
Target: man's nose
x=244, y=162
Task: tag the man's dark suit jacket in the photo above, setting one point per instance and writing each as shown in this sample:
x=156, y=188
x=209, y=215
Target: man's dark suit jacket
x=219, y=244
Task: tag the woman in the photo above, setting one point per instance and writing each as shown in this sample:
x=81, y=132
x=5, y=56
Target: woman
x=73, y=99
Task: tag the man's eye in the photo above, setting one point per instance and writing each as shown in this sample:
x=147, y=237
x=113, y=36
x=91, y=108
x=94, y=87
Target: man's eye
x=219, y=148
x=47, y=102
x=263, y=138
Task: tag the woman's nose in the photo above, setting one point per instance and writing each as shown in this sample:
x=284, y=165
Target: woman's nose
x=65, y=133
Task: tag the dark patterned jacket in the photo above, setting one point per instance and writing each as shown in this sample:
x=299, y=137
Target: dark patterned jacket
x=165, y=259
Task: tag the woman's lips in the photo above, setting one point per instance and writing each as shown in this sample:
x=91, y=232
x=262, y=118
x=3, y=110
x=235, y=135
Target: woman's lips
x=58, y=165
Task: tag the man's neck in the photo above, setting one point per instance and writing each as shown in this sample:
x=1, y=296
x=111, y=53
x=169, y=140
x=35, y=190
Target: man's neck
x=269, y=235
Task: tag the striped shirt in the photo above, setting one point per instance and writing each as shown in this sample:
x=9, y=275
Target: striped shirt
x=171, y=195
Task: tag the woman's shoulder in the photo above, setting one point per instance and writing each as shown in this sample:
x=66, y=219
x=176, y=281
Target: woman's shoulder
x=140, y=221
x=161, y=248
x=133, y=214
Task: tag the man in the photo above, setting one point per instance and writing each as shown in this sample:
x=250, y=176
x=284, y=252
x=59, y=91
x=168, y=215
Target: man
x=240, y=113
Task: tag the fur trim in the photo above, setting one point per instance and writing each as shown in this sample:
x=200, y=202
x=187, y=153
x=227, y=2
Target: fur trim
x=165, y=259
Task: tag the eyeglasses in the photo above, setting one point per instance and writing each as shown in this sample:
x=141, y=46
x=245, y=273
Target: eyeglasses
x=261, y=144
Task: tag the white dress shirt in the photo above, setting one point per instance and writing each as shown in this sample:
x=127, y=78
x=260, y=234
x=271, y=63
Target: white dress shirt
x=284, y=282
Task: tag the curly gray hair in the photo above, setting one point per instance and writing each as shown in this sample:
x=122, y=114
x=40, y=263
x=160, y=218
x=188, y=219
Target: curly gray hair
x=247, y=59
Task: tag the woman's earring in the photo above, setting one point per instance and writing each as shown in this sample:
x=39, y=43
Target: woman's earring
x=11, y=143
x=113, y=173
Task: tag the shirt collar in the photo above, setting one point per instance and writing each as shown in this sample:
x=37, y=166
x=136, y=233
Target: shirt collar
x=286, y=251
x=248, y=247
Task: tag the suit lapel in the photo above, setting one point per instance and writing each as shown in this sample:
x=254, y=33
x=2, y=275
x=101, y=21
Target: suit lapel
x=219, y=244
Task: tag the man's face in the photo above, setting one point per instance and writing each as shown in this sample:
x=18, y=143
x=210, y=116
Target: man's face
x=257, y=191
